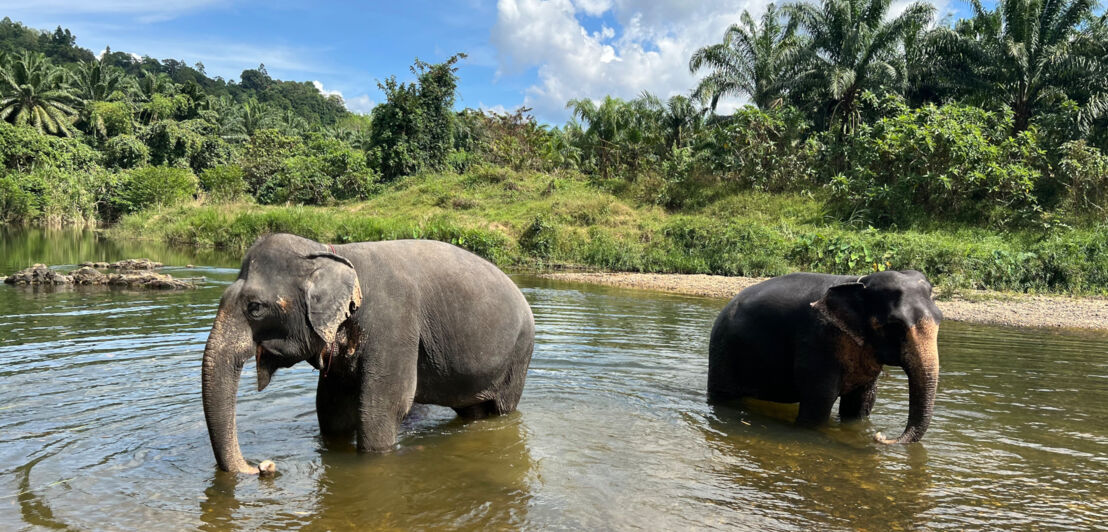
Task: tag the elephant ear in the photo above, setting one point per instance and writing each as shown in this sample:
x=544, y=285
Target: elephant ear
x=333, y=293
x=844, y=306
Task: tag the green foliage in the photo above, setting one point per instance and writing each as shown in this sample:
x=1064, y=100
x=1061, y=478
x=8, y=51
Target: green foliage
x=763, y=150
x=413, y=130
x=264, y=154
x=330, y=170
x=125, y=152
x=223, y=183
x=152, y=186
x=109, y=119
x=33, y=92
x=950, y=162
x=50, y=196
x=23, y=149
x=1083, y=173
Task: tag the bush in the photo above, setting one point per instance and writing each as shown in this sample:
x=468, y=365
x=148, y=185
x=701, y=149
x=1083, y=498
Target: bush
x=264, y=154
x=152, y=186
x=333, y=172
x=223, y=183
x=1083, y=172
x=52, y=197
x=952, y=162
x=110, y=119
x=762, y=150
x=125, y=152
x=23, y=148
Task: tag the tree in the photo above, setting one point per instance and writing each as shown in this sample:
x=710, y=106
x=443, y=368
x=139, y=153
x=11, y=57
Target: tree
x=753, y=60
x=250, y=117
x=1021, y=54
x=35, y=92
x=852, y=48
x=414, y=129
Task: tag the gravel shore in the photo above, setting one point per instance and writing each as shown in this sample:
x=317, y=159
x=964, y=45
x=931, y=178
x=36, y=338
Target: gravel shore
x=997, y=308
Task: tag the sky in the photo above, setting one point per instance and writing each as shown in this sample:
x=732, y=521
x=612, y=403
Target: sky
x=533, y=53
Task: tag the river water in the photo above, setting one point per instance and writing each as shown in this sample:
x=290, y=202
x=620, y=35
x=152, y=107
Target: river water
x=101, y=426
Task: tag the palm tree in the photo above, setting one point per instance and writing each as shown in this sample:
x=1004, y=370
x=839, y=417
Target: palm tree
x=1021, y=54
x=34, y=92
x=852, y=48
x=97, y=81
x=251, y=117
x=753, y=60
x=614, y=132
x=291, y=123
x=679, y=118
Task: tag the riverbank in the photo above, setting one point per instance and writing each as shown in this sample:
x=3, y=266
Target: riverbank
x=538, y=220
x=973, y=306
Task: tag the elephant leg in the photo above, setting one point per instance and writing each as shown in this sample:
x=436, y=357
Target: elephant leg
x=858, y=403
x=336, y=405
x=388, y=389
x=815, y=409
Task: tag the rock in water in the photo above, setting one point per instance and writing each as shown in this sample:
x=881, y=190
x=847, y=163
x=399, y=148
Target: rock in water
x=135, y=264
x=39, y=274
x=42, y=275
x=87, y=275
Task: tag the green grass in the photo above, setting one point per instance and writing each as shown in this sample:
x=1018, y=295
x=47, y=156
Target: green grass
x=539, y=220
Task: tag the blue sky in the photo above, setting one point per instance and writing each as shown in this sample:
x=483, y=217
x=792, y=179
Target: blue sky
x=538, y=53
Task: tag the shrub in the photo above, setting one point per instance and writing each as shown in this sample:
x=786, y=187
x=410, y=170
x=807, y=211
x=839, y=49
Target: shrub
x=1083, y=171
x=152, y=186
x=110, y=119
x=52, y=197
x=264, y=154
x=333, y=171
x=953, y=162
x=125, y=152
x=223, y=183
x=762, y=150
x=23, y=148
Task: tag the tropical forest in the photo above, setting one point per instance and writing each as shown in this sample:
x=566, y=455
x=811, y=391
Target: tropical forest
x=975, y=149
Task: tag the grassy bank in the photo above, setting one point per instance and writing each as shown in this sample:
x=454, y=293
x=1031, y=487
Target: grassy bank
x=540, y=220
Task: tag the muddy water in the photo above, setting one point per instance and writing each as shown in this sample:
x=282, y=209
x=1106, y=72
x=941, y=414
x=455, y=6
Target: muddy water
x=101, y=427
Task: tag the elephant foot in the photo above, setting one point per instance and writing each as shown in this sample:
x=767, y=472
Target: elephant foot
x=267, y=468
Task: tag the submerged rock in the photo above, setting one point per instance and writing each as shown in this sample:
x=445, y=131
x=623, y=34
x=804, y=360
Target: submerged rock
x=39, y=274
x=42, y=275
x=135, y=264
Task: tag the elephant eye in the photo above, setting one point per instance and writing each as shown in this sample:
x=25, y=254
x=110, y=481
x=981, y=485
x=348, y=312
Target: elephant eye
x=254, y=309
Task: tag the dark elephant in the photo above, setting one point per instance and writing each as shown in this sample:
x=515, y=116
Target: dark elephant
x=386, y=323
x=812, y=338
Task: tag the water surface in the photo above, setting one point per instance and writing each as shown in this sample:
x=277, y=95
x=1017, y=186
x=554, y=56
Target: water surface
x=101, y=426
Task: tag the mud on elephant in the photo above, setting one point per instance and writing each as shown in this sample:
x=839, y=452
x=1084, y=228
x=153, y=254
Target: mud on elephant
x=386, y=323
x=814, y=338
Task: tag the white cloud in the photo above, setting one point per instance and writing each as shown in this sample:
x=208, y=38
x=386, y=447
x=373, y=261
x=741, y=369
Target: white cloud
x=360, y=104
x=319, y=87
x=650, y=51
x=136, y=57
x=498, y=109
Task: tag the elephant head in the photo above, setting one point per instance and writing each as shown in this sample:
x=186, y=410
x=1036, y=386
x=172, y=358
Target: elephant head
x=891, y=316
x=286, y=306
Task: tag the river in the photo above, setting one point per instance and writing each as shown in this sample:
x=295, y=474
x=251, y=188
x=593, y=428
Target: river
x=101, y=426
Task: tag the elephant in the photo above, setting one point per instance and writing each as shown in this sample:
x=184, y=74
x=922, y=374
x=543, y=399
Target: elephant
x=812, y=338
x=387, y=324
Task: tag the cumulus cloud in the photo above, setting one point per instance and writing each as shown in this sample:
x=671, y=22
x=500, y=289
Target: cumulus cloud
x=360, y=104
x=649, y=51
x=319, y=87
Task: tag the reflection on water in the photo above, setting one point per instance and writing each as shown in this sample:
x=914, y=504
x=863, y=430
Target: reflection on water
x=101, y=427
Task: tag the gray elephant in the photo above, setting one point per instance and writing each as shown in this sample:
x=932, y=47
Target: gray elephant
x=386, y=323
x=813, y=338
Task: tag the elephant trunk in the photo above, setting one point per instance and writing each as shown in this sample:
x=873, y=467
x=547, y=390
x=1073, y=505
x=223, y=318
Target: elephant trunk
x=229, y=346
x=921, y=364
